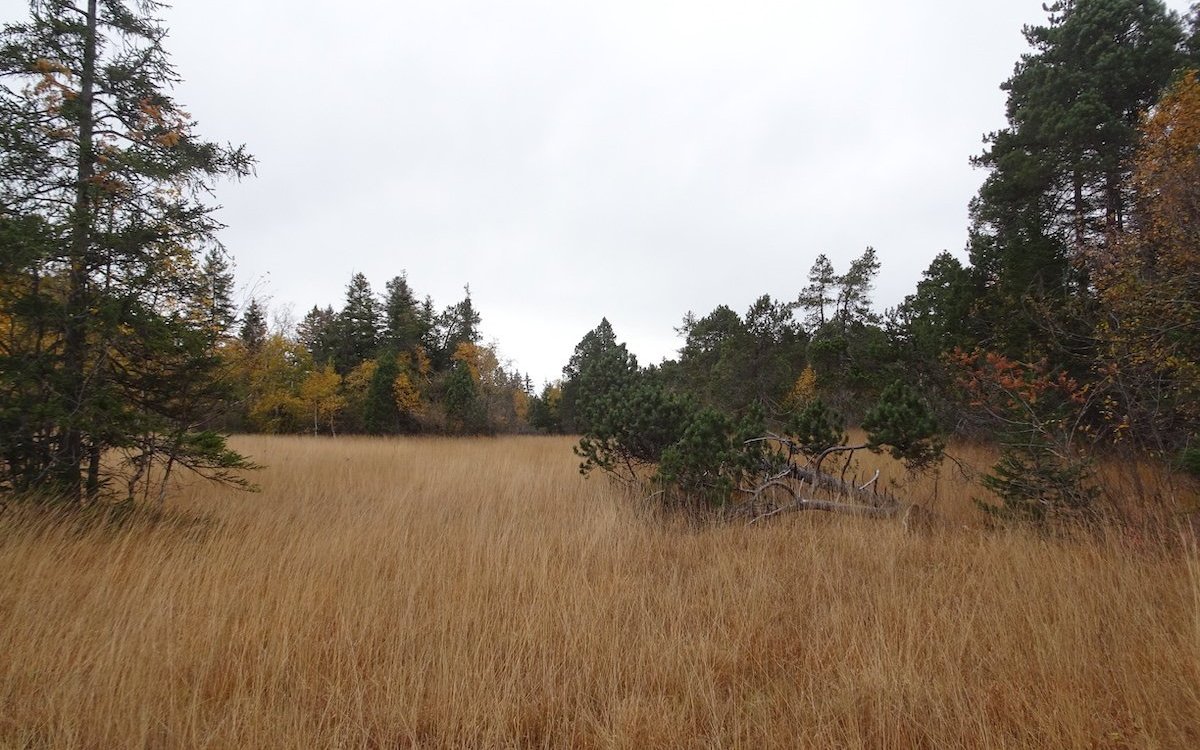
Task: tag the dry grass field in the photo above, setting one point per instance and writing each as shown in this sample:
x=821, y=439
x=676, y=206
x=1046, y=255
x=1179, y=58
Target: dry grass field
x=480, y=594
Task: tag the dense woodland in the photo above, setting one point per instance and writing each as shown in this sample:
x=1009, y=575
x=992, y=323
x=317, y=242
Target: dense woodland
x=1072, y=330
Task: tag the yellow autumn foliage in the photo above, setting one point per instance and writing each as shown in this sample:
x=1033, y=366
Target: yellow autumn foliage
x=408, y=396
x=803, y=391
x=321, y=397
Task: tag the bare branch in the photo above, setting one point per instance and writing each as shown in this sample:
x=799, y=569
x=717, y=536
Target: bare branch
x=831, y=506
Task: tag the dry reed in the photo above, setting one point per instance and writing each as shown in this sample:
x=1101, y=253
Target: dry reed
x=480, y=594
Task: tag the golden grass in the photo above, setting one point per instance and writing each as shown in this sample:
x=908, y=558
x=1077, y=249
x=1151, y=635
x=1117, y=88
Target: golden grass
x=478, y=593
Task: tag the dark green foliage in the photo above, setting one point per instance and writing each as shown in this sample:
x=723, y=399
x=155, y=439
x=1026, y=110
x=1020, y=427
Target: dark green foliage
x=207, y=453
x=731, y=364
x=254, y=327
x=1192, y=43
x=318, y=332
x=712, y=459
x=403, y=328
x=464, y=408
x=596, y=380
x=818, y=297
x=714, y=358
x=1037, y=482
x=215, y=298
x=458, y=324
x=697, y=455
x=903, y=423
x=629, y=428
x=852, y=364
x=427, y=321
x=937, y=317
x=358, y=325
x=1058, y=182
x=854, y=291
x=849, y=351
x=109, y=303
x=816, y=428
x=776, y=353
x=381, y=415
x=544, y=413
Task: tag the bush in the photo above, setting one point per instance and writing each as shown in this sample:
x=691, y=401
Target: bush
x=903, y=424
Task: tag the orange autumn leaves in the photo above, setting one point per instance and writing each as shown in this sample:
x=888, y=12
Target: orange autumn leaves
x=1146, y=280
x=1150, y=286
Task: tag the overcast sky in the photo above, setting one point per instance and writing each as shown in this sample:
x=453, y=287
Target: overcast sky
x=569, y=161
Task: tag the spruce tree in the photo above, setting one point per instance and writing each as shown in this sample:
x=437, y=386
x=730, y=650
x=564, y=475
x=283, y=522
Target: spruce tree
x=94, y=150
x=402, y=325
x=458, y=324
x=381, y=414
x=216, y=309
x=253, y=332
x=318, y=332
x=464, y=406
x=358, y=325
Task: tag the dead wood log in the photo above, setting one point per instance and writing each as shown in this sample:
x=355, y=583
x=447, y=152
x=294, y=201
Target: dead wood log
x=798, y=482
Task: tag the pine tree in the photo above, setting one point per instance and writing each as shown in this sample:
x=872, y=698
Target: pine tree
x=94, y=150
x=253, y=332
x=818, y=296
x=402, y=326
x=358, y=325
x=937, y=317
x=318, y=332
x=1058, y=186
x=854, y=290
x=216, y=309
x=598, y=375
x=459, y=324
x=381, y=415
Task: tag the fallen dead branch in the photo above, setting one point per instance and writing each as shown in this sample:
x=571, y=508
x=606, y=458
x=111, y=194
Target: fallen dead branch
x=794, y=480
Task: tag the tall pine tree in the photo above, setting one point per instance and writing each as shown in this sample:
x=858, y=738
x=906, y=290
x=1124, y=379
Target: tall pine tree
x=402, y=325
x=359, y=325
x=1058, y=183
x=105, y=170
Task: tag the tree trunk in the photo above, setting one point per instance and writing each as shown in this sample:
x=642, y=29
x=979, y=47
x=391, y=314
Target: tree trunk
x=71, y=450
x=1080, y=214
x=93, y=471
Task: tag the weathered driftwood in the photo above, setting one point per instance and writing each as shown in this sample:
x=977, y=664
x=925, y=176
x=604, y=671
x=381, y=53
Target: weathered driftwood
x=798, y=482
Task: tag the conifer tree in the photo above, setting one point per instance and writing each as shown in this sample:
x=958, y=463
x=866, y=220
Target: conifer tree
x=599, y=373
x=459, y=324
x=215, y=297
x=1058, y=182
x=253, y=332
x=95, y=152
x=402, y=327
x=318, y=331
x=358, y=324
x=818, y=296
x=381, y=415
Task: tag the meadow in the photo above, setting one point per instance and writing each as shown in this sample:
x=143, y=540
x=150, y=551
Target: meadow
x=478, y=593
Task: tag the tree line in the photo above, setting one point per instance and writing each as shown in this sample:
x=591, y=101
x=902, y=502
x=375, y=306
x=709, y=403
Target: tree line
x=123, y=358
x=376, y=366
x=1072, y=330
x=1072, y=327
